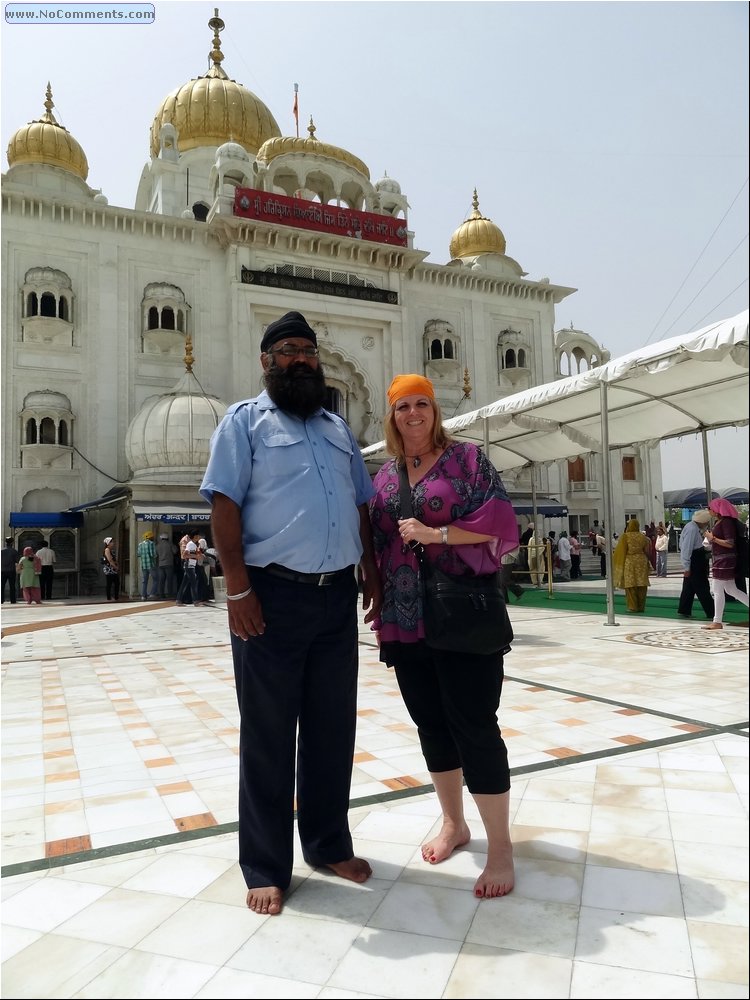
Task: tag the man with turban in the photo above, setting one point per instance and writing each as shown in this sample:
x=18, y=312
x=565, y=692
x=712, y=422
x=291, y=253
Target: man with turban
x=289, y=490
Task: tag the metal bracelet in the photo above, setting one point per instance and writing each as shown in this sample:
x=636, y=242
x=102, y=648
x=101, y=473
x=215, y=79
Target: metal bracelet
x=444, y=535
x=238, y=597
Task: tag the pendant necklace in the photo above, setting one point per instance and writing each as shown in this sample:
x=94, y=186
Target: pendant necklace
x=417, y=459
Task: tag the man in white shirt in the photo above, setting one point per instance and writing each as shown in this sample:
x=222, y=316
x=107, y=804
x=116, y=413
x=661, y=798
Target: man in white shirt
x=48, y=559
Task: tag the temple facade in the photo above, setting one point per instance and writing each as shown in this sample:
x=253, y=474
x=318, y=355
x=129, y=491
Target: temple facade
x=128, y=330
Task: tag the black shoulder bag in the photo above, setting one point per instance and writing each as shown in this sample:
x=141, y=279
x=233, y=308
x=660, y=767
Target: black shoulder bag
x=466, y=614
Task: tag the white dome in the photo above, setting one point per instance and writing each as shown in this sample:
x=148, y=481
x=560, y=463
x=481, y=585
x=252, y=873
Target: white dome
x=168, y=439
x=387, y=183
x=232, y=151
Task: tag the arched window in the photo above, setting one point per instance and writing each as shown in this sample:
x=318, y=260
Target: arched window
x=165, y=318
x=521, y=358
x=47, y=431
x=510, y=358
x=49, y=306
x=441, y=344
x=31, y=431
x=62, y=433
x=334, y=400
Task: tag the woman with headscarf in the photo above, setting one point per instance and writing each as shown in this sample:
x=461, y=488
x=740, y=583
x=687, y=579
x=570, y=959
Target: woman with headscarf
x=462, y=515
x=111, y=570
x=29, y=568
x=723, y=538
x=631, y=565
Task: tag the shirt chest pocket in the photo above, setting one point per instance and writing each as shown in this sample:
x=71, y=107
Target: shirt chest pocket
x=339, y=450
x=282, y=453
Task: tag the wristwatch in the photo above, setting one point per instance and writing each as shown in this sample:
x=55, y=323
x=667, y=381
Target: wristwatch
x=444, y=535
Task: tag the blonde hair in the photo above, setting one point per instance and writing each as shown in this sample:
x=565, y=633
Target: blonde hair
x=395, y=443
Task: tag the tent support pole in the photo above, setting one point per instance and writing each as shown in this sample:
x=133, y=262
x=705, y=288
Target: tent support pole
x=607, y=489
x=706, y=465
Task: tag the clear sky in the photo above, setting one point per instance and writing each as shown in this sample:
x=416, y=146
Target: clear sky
x=609, y=141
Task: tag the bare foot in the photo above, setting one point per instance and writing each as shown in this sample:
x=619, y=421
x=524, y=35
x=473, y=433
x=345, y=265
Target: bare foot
x=446, y=842
x=355, y=869
x=497, y=879
x=265, y=899
x=712, y=626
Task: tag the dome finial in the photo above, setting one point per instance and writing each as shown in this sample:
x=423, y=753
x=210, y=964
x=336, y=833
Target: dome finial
x=311, y=128
x=189, y=359
x=216, y=55
x=475, y=201
x=48, y=106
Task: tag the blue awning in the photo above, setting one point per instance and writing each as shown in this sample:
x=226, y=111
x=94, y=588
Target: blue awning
x=110, y=497
x=62, y=519
x=544, y=506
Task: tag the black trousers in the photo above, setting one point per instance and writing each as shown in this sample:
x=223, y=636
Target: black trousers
x=453, y=699
x=696, y=585
x=46, y=577
x=11, y=578
x=297, y=695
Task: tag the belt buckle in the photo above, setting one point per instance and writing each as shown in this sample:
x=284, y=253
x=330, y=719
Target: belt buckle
x=323, y=579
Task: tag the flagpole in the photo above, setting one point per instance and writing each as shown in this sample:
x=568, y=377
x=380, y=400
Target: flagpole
x=295, y=108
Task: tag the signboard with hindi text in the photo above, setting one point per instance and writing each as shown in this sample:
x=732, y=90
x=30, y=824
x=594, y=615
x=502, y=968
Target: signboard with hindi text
x=333, y=219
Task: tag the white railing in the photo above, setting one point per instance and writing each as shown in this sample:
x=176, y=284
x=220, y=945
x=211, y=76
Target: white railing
x=585, y=486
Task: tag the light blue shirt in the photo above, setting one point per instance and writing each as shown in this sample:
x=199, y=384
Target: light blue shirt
x=691, y=538
x=297, y=482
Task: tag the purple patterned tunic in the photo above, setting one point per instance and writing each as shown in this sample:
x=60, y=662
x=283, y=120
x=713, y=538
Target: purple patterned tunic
x=463, y=489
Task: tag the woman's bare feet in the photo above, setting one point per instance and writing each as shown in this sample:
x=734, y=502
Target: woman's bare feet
x=445, y=843
x=355, y=869
x=498, y=878
x=712, y=626
x=265, y=899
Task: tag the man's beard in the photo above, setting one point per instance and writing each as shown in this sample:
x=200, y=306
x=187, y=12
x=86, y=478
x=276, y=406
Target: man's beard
x=298, y=388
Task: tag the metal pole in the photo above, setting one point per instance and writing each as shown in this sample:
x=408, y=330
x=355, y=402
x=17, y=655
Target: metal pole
x=607, y=489
x=706, y=466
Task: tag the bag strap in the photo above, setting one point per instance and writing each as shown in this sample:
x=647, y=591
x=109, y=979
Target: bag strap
x=407, y=510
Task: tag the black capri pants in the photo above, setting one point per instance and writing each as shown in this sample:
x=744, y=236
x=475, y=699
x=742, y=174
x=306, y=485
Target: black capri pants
x=453, y=699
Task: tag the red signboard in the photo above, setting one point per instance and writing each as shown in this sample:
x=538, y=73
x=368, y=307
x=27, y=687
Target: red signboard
x=333, y=219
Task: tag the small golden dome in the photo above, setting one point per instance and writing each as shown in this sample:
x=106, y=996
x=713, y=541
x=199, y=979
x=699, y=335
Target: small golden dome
x=212, y=109
x=476, y=235
x=289, y=144
x=46, y=141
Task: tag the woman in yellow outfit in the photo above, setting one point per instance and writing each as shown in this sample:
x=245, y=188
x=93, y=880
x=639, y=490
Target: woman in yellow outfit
x=631, y=565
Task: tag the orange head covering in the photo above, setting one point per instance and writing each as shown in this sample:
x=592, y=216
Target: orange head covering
x=409, y=385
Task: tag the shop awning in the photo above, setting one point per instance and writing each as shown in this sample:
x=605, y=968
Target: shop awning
x=544, y=506
x=112, y=496
x=60, y=519
x=172, y=513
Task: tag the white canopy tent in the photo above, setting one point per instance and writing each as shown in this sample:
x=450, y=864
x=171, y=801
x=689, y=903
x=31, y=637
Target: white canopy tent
x=685, y=385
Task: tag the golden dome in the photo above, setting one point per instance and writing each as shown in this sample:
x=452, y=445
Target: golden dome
x=46, y=141
x=476, y=235
x=289, y=144
x=211, y=109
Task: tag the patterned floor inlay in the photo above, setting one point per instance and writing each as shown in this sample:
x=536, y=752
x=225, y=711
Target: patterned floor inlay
x=697, y=640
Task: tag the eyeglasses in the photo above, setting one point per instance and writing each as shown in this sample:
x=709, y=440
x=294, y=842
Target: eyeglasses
x=290, y=351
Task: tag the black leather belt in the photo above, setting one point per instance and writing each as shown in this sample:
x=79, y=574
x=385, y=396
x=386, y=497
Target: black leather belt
x=316, y=579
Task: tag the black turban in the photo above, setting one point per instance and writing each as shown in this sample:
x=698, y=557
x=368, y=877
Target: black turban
x=292, y=324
